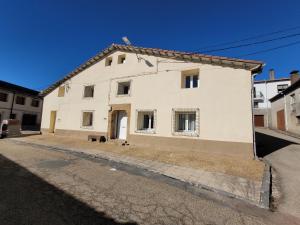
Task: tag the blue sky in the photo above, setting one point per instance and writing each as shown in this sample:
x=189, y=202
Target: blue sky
x=41, y=41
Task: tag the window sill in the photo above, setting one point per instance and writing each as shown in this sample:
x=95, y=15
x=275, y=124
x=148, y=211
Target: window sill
x=185, y=133
x=87, y=98
x=87, y=127
x=125, y=95
x=152, y=131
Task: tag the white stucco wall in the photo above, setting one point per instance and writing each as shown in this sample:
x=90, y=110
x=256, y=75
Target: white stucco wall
x=291, y=122
x=223, y=97
x=19, y=110
x=268, y=90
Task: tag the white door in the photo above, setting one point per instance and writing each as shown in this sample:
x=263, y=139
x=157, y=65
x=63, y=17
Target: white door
x=122, y=122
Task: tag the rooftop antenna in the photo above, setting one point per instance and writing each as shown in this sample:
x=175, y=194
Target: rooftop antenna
x=126, y=40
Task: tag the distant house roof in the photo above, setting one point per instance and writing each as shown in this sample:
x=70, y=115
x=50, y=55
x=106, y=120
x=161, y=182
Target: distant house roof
x=291, y=88
x=18, y=89
x=270, y=81
x=254, y=66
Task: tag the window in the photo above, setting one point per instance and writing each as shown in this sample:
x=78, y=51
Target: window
x=121, y=59
x=3, y=97
x=254, y=92
x=146, y=121
x=255, y=104
x=88, y=91
x=190, y=79
x=87, y=119
x=298, y=119
x=108, y=61
x=20, y=100
x=185, y=122
x=293, y=102
x=281, y=87
x=124, y=88
x=35, y=103
x=61, y=91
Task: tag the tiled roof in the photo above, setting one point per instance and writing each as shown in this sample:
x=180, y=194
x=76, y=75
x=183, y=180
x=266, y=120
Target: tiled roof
x=18, y=89
x=270, y=81
x=254, y=66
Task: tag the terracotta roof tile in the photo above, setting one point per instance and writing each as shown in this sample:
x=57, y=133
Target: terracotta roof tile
x=252, y=65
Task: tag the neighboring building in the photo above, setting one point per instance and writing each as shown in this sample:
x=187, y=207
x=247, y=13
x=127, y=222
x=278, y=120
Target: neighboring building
x=158, y=98
x=285, y=107
x=20, y=103
x=264, y=90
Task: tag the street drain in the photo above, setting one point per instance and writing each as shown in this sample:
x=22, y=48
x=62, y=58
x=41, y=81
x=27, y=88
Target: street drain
x=53, y=164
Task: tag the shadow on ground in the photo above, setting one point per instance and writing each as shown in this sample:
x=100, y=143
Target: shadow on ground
x=28, y=199
x=266, y=144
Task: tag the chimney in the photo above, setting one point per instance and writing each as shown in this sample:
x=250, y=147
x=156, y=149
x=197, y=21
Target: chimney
x=294, y=75
x=271, y=74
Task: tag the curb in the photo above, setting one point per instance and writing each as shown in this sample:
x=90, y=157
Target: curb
x=265, y=187
x=189, y=186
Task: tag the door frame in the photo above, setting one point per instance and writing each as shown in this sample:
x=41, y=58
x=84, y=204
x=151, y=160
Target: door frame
x=282, y=125
x=112, y=119
x=52, y=121
x=118, y=124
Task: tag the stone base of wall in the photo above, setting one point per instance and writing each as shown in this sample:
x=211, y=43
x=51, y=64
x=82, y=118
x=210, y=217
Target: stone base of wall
x=75, y=134
x=235, y=149
x=244, y=150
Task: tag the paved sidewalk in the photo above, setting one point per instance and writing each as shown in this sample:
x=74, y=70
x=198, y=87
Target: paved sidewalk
x=230, y=185
x=283, y=153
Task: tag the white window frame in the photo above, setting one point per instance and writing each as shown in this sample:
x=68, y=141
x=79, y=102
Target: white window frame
x=186, y=133
x=191, y=81
x=93, y=121
x=88, y=85
x=150, y=130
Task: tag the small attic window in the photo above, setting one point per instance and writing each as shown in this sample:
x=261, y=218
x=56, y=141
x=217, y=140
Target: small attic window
x=121, y=59
x=108, y=61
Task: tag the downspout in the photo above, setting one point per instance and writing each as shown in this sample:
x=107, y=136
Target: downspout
x=285, y=113
x=267, y=99
x=12, y=105
x=252, y=109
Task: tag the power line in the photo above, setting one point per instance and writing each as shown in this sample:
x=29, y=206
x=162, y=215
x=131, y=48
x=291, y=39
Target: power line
x=271, y=49
x=253, y=43
x=249, y=38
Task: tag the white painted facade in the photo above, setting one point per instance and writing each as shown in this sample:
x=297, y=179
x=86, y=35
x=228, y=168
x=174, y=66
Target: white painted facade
x=19, y=110
x=158, y=88
x=266, y=90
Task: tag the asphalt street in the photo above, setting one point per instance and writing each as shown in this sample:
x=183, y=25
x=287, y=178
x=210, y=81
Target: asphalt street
x=42, y=186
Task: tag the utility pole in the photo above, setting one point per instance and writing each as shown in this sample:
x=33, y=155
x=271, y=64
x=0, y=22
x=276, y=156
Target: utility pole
x=12, y=105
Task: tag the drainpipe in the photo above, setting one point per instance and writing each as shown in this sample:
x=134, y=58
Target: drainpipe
x=285, y=113
x=267, y=102
x=252, y=109
x=12, y=105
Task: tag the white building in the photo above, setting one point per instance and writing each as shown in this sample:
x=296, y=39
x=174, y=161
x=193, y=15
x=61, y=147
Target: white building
x=20, y=103
x=158, y=98
x=263, y=91
x=285, y=108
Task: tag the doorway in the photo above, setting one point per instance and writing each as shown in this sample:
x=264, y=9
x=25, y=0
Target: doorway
x=121, y=125
x=52, y=122
x=281, y=120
